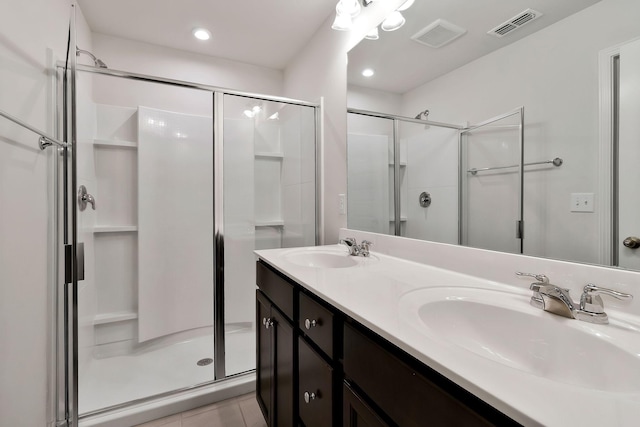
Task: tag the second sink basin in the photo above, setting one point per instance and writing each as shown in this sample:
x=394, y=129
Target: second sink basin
x=321, y=259
x=330, y=256
x=504, y=328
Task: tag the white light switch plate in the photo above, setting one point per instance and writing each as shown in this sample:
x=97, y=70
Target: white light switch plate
x=342, y=204
x=581, y=202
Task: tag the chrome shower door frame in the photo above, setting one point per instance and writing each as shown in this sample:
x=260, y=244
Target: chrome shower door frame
x=67, y=248
x=462, y=188
x=396, y=119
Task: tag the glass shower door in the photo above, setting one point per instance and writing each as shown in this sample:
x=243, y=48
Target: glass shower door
x=370, y=174
x=145, y=215
x=492, y=177
x=269, y=201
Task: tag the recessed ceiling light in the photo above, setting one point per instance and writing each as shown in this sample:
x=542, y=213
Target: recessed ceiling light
x=368, y=72
x=201, y=33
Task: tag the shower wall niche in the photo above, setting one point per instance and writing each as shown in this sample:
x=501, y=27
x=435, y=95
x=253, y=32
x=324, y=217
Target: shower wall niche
x=115, y=232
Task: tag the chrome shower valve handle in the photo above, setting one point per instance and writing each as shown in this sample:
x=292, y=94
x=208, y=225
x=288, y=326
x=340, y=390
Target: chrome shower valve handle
x=84, y=197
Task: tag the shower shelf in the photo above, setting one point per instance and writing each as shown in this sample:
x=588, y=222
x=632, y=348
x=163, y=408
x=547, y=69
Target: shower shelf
x=115, y=143
x=114, y=228
x=273, y=223
x=269, y=154
x=120, y=316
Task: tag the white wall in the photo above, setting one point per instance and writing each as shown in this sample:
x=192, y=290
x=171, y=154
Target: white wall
x=364, y=98
x=27, y=30
x=145, y=58
x=561, y=59
x=320, y=71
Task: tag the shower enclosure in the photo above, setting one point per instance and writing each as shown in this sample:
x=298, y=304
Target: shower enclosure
x=434, y=181
x=165, y=190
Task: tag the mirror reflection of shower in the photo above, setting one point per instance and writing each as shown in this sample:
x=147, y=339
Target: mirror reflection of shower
x=97, y=62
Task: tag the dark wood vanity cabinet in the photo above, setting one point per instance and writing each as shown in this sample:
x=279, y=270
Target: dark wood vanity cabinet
x=317, y=367
x=275, y=349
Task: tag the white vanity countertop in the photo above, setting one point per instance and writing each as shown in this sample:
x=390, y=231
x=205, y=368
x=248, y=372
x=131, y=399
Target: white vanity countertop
x=374, y=293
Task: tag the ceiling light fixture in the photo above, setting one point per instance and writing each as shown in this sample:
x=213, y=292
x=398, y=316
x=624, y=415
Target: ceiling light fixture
x=406, y=5
x=393, y=22
x=373, y=34
x=342, y=22
x=368, y=72
x=350, y=7
x=346, y=10
x=201, y=33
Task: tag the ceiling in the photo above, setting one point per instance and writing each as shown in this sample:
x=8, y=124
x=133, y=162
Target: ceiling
x=402, y=64
x=261, y=32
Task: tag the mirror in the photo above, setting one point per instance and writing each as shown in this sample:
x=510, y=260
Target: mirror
x=561, y=66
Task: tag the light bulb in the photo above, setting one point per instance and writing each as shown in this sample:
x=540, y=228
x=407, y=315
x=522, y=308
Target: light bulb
x=367, y=72
x=373, y=34
x=406, y=5
x=342, y=22
x=349, y=7
x=393, y=22
x=201, y=33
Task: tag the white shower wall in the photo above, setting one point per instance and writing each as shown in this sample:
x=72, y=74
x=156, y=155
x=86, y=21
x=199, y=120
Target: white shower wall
x=431, y=166
x=175, y=222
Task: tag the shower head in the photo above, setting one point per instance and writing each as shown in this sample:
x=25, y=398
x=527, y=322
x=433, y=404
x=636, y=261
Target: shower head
x=97, y=62
x=424, y=113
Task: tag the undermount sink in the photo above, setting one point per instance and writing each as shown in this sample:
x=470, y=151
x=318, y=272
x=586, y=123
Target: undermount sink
x=503, y=327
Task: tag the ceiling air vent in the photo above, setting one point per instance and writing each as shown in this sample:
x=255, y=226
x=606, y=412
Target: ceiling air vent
x=515, y=23
x=438, y=33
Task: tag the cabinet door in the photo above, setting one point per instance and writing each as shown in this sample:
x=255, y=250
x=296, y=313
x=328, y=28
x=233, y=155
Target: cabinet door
x=283, y=365
x=315, y=387
x=356, y=413
x=264, y=371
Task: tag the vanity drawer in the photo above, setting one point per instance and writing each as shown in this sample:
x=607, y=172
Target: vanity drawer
x=401, y=388
x=315, y=387
x=316, y=322
x=276, y=288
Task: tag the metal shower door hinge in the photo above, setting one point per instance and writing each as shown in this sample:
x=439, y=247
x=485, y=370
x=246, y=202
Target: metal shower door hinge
x=68, y=262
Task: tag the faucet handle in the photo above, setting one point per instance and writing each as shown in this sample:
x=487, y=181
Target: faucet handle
x=364, y=247
x=591, y=302
x=541, y=278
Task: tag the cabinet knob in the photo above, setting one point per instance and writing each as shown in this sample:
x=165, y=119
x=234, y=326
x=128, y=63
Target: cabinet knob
x=267, y=322
x=308, y=397
x=310, y=323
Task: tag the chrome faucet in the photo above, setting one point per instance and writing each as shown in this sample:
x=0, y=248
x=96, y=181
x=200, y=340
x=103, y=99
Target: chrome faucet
x=351, y=245
x=354, y=248
x=557, y=300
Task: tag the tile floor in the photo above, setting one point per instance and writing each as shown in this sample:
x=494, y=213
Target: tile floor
x=242, y=411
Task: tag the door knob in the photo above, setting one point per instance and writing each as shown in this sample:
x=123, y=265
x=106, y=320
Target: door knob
x=632, y=242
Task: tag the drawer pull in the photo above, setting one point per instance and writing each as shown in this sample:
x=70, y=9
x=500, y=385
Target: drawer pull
x=267, y=322
x=308, y=397
x=310, y=323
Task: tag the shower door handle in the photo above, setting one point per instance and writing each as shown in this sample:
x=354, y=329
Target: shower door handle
x=68, y=262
